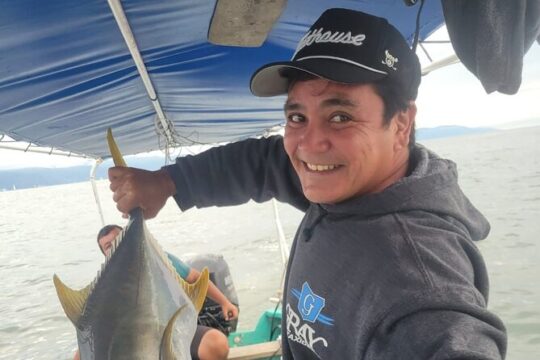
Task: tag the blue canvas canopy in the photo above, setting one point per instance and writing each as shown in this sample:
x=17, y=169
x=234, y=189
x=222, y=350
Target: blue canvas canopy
x=66, y=73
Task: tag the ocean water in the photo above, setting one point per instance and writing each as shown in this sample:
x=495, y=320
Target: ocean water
x=52, y=230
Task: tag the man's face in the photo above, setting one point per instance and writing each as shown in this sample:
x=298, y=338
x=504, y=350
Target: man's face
x=337, y=143
x=105, y=242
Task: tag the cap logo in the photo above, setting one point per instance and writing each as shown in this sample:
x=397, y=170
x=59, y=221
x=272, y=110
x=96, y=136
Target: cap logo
x=336, y=37
x=390, y=60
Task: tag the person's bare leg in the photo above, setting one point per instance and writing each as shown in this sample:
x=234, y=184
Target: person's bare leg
x=213, y=346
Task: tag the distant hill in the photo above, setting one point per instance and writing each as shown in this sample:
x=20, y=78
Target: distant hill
x=447, y=131
x=37, y=177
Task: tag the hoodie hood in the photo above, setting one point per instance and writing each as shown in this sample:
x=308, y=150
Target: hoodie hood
x=431, y=186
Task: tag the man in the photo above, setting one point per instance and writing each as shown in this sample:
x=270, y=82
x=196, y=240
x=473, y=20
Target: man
x=207, y=343
x=383, y=265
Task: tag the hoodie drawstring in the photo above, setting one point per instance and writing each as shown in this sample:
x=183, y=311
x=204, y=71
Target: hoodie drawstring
x=308, y=231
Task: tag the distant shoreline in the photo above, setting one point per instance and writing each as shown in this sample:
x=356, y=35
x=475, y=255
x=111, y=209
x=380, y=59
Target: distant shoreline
x=33, y=177
x=450, y=131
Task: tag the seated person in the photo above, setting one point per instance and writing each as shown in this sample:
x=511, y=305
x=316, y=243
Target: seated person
x=208, y=343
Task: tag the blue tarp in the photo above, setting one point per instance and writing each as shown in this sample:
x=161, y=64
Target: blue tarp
x=66, y=74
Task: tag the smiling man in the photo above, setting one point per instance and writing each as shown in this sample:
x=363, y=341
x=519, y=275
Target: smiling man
x=339, y=143
x=384, y=264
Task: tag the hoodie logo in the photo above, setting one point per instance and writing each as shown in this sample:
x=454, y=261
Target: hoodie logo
x=305, y=328
x=310, y=306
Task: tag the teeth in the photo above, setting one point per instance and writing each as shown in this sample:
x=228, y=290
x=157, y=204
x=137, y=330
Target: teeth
x=314, y=167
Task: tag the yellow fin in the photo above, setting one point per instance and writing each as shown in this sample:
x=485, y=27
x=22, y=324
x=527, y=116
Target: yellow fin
x=197, y=291
x=118, y=159
x=72, y=301
x=167, y=352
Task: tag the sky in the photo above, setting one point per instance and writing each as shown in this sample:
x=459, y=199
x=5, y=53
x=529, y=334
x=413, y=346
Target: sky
x=454, y=96
x=448, y=96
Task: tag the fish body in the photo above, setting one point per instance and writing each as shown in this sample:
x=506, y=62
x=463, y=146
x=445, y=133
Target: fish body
x=137, y=307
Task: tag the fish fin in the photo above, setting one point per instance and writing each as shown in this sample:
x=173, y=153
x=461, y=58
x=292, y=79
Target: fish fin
x=167, y=352
x=72, y=301
x=197, y=291
x=118, y=159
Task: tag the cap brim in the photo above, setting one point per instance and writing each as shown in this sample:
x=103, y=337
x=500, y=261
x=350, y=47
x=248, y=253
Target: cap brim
x=270, y=80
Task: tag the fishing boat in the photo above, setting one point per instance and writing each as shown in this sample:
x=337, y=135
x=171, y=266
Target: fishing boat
x=174, y=73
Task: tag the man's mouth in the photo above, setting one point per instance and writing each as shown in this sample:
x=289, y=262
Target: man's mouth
x=321, y=167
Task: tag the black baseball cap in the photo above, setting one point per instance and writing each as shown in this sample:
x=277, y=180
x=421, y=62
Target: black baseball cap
x=346, y=46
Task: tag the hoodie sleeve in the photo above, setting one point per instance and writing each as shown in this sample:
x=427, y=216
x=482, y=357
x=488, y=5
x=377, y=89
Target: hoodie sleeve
x=253, y=169
x=441, y=334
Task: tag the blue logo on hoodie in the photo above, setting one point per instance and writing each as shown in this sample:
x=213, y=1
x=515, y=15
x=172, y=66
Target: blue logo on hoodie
x=310, y=305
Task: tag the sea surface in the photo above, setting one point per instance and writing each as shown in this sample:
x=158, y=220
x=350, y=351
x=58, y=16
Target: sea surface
x=52, y=230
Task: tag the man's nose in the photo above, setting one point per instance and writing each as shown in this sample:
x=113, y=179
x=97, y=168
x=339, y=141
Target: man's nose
x=315, y=138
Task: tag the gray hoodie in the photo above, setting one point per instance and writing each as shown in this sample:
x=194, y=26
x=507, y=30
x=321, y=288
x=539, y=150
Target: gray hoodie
x=392, y=275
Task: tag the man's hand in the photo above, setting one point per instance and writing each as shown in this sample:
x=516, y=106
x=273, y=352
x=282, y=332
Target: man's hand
x=229, y=311
x=133, y=188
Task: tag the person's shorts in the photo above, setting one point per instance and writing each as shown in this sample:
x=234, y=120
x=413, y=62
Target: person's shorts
x=199, y=333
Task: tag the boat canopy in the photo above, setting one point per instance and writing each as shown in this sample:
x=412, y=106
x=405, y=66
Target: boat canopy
x=167, y=72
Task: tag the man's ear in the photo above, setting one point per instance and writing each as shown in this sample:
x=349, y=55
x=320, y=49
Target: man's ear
x=404, y=124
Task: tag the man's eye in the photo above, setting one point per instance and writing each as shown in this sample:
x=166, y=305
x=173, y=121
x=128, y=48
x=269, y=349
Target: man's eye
x=295, y=118
x=340, y=118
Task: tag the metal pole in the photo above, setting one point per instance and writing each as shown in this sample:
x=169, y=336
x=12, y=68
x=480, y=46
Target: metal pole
x=283, y=247
x=94, y=188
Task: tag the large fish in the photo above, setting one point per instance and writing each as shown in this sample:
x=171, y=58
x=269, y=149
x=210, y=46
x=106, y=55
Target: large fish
x=137, y=307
